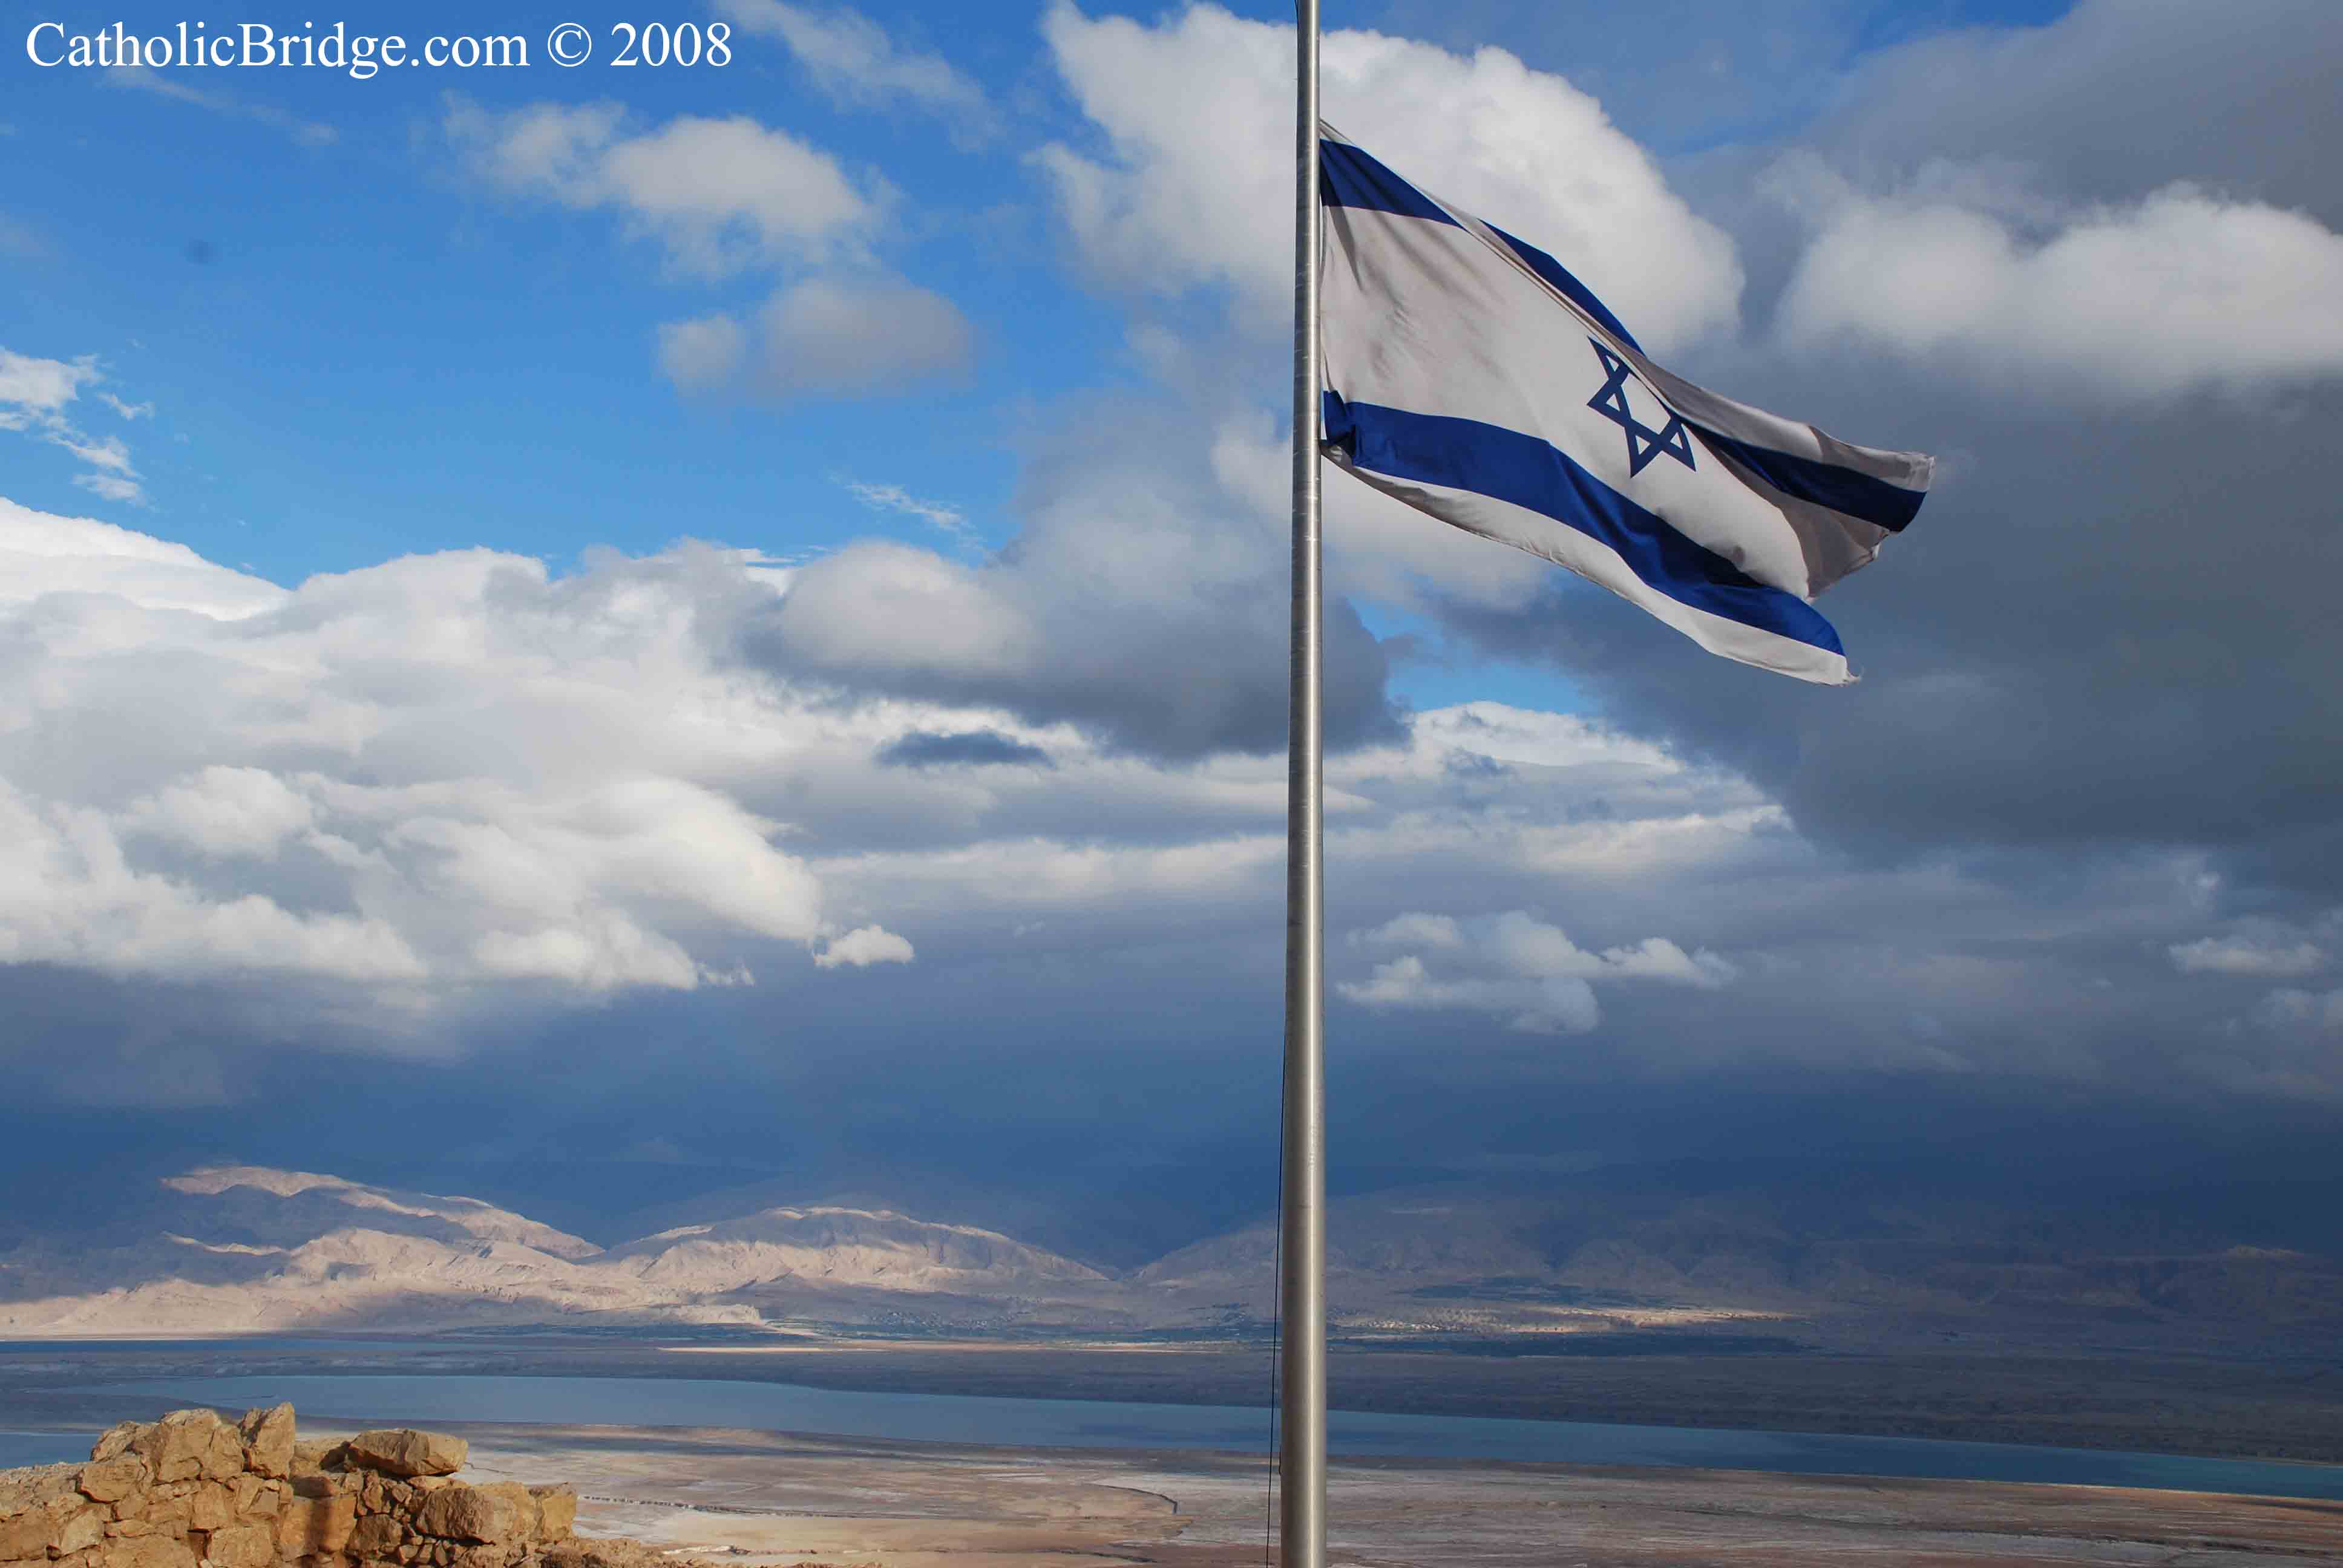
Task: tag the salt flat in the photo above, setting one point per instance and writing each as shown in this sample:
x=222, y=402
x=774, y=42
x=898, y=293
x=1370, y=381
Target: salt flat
x=773, y=1501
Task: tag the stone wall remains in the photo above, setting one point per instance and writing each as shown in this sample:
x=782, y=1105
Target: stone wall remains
x=192, y=1491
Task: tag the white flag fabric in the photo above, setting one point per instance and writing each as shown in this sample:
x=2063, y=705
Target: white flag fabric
x=1472, y=377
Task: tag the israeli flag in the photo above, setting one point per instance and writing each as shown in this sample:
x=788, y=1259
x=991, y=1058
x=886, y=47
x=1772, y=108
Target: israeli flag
x=1472, y=377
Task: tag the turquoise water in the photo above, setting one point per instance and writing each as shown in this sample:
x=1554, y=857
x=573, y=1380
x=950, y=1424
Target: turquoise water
x=1085, y=1423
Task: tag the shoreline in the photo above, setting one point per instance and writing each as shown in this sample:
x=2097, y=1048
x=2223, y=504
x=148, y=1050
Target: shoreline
x=2213, y=1408
x=730, y=1497
x=770, y=1501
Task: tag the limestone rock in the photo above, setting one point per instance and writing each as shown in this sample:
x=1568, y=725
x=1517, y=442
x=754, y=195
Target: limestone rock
x=115, y=1440
x=602, y=1554
x=223, y=1454
x=112, y=1480
x=316, y=1453
x=557, y=1508
x=38, y=1490
x=504, y=1511
x=149, y=1552
x=493, y=1556
x=213, y=1507
x=524, y=1501
x=315, y=1524
x=407, y=1452
x=80, y=1532
x=242, y=1546
x=378, y=1536
x=267, y=1439
x=25, y=1538
x=179, y=1446
x=36, y=1507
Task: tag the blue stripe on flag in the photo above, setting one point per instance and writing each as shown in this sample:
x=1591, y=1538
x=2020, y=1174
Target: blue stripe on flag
x=1507, y=465
x=1555, y=274
x=1891, y=506
x=1349, y=177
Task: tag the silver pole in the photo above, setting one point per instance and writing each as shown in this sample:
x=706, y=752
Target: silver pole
x=1302, y=1453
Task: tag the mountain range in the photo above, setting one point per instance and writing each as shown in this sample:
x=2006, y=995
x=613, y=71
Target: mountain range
x=234, y=1248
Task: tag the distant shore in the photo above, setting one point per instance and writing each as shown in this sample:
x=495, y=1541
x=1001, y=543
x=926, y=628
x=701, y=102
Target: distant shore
x=2214, y=1407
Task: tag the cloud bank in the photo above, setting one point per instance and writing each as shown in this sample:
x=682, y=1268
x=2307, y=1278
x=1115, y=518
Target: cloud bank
x=438, y=774
x=2139, y=303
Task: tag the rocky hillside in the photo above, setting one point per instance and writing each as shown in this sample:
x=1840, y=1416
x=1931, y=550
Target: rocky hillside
x=192, y=1490
x=241, y=1249
x=855, y=1247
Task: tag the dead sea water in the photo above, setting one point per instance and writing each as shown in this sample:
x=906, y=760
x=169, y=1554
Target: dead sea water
x=411, y=1400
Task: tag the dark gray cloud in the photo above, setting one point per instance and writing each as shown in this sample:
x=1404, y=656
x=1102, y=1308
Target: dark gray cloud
x=1143, y=599
x=2100, y=632
x=1724, y=71
x=962, y=748
x=2113, y=98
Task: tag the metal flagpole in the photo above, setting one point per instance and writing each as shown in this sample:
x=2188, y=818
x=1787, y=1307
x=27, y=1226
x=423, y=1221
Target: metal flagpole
x=1302, y=1449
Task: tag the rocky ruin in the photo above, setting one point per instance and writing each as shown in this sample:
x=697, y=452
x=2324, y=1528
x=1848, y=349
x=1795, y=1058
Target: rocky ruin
x=192, y=1491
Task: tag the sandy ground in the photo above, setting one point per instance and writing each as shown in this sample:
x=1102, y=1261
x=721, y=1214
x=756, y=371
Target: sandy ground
x=767, y=1501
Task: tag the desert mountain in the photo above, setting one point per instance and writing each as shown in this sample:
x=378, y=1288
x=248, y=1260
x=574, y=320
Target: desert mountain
x=247, y=1249
x=244, y=1248
x=284, y=1206
x=838, y=1246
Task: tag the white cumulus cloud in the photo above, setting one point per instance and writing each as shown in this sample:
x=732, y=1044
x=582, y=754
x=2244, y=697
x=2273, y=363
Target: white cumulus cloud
x=862, y=947
x=852, y=337
x=2137, y=302
x=720, y=195
x=1517, y=967
x=702, y=355
x=1193, y=183
x=439, y=773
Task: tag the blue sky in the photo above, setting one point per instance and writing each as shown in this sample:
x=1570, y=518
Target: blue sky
x=964, y=323
x=300, y=269
x=407, y=351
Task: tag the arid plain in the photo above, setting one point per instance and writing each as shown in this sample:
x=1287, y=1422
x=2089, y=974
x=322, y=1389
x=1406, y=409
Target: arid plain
x=768, y=1501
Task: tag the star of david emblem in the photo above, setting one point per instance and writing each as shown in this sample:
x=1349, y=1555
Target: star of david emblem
x=1644, y=443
